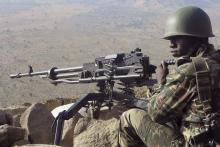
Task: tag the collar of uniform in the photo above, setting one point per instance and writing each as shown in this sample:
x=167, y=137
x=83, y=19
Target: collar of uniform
x=182, y=60
x=203, y=50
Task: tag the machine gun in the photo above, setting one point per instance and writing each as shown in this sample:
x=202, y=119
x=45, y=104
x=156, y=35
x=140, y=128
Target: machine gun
x=130, y=69
x=116, y=66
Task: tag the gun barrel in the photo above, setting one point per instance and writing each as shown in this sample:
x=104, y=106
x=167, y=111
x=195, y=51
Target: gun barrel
x=95, y=79
x=65, y=75
x=70, y=69
x=19, y=75
x=45, y=74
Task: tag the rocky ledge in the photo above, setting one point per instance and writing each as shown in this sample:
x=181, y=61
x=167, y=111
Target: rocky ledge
x=29, y=125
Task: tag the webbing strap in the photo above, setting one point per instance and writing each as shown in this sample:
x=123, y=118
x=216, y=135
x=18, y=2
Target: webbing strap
x=203, y=82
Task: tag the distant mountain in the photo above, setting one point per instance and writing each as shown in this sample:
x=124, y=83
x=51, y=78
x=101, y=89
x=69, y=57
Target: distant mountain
x=153, y=4
x=158, y=6
x=173, y=4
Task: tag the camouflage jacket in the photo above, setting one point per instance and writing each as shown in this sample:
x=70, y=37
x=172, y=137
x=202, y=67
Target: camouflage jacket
x=177, y=100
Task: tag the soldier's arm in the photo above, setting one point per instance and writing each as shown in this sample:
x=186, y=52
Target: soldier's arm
x=169, y=100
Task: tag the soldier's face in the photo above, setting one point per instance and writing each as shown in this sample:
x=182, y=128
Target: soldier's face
x=180, y=45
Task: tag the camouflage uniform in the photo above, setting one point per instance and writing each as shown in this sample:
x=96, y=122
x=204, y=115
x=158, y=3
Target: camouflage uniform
x=174, y=113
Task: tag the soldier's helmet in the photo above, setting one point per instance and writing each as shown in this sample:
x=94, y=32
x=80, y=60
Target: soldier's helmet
x=189, y=21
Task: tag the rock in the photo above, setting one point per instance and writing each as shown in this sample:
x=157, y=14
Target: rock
x=100, y=133
x=81, y=125
x=20, y=143
x=39, y=145
x=68, y=131
x=53, y=103
x=5, y=118
x=10, y=134
x=3, y=136
x=16, y=120
x=14, y=110
x=38, y=120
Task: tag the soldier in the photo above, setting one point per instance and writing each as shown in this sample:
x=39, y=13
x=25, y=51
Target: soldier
x=184, y=109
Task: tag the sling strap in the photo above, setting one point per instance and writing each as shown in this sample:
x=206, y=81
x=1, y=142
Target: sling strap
x=203, y=83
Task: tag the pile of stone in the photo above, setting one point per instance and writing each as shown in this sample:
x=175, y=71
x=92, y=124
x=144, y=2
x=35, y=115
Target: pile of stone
x=30, y=125
x=11, y=131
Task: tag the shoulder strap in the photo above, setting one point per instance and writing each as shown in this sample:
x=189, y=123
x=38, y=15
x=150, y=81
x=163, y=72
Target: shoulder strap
x=203, y=82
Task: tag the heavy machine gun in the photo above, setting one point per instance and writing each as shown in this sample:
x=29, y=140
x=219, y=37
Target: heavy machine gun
x=129, y=69
x=119, y=66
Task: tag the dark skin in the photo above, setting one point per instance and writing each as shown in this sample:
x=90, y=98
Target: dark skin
x=179, y=46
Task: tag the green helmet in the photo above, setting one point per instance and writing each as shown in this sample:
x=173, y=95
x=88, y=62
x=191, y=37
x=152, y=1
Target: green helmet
x=189, y=21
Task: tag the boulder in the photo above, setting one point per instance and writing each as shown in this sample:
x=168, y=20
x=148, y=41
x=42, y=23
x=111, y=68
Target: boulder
x=81, y=125
x=14, y=110
x=53, y=103
x=100, y=133
x=16, y=120
x=37, y=119
x=68, y=131
x=5, y=118
x=10, y=134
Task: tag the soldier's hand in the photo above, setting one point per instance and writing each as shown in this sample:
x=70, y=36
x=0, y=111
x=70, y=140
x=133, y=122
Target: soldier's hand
x=161, y=73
